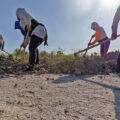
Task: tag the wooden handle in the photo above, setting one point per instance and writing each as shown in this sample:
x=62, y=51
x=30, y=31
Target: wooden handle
x=93, y=46
x=5, y=51
x=87, y=47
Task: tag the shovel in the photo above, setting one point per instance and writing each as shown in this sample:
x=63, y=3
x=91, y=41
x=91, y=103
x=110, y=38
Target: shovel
x=87, y=47
x=23, y=53
x=5, y=52
x=10, y=55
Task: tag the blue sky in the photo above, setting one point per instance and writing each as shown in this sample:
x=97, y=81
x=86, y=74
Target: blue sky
x=67, y=21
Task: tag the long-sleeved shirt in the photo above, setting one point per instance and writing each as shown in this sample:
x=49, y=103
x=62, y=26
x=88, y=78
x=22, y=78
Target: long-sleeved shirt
x=99, y=35
x=116, y=20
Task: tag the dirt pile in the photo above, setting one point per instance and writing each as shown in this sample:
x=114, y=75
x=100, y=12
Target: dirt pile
x=11, y=66
x=96, y=65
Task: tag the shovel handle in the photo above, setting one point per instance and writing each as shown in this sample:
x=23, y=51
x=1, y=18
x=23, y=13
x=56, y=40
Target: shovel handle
x=5, y=51
x=87, y=47
x=23, y=53
x=75, y=54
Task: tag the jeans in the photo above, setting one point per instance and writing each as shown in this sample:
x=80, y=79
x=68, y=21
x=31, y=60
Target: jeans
x=33, y=50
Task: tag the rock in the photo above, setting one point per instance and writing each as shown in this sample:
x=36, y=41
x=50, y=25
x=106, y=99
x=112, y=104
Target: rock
x=15, y=85
x=66, y=111
x=43, y=71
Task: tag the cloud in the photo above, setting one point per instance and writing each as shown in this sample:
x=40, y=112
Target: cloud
x=78, y=6
x=109, y=4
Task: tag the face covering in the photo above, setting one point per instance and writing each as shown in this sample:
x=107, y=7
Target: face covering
x=24, y=17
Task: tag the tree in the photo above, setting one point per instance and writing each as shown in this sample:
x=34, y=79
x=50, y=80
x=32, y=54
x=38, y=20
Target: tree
x=60, y=51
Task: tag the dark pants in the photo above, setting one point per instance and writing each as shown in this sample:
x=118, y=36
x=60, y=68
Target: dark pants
x=33, y=50
x=104, y=47
x=118, y=63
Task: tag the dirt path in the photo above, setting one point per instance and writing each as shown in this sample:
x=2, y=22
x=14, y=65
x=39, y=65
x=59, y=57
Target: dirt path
x=60, y=97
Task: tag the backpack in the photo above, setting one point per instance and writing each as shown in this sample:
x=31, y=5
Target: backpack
x=46, y=36
x=34, y=24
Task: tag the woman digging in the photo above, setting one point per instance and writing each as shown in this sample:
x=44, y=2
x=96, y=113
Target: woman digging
x=100, y=36
x=35, y=34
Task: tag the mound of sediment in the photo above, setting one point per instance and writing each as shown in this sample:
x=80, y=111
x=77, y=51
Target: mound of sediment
x=96, y=65
x=10, y=66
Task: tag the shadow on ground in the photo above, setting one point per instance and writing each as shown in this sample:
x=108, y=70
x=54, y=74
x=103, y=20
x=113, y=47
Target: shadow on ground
x=86, y=78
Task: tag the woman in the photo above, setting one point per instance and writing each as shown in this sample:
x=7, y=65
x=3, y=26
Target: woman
x=35, y=31
x=100, y=36
x=1, y=42
x=115, y=25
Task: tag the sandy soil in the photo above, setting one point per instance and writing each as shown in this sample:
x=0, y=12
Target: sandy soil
x=60, y=97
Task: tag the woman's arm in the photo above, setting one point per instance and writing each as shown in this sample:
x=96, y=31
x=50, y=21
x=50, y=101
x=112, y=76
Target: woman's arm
x=97, y=37
x=26, y=39
x=91, y=39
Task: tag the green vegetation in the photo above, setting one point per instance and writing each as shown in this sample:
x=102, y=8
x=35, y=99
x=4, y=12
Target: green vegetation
x=58, y=55
x=19, y=54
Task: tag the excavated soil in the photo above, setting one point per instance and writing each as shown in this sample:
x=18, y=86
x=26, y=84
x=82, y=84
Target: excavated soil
x=83, y=66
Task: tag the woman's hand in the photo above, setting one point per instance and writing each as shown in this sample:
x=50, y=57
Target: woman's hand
x=26, y=39
x=28, y=27
x=89, y=44
x=23, y=45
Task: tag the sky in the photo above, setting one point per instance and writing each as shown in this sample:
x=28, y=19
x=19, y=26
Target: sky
x=68, y=22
